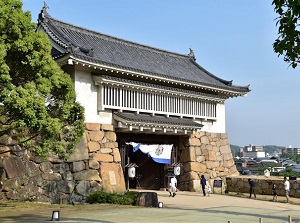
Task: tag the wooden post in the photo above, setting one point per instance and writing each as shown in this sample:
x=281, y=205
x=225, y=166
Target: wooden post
x=260, y=220
x=290, y=219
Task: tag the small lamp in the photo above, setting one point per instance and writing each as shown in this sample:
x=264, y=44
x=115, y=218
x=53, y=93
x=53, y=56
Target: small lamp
x=160, y=204
x=55, y=216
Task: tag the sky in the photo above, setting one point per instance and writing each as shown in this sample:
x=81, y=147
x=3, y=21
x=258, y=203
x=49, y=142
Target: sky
x=231, y=39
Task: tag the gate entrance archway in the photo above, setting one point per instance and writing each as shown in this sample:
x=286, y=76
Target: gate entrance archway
x=149, y=174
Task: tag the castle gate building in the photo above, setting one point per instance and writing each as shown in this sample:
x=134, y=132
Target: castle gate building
x=133, y=93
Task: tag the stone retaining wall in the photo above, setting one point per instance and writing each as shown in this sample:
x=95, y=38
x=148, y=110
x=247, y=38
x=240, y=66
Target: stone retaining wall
x=95, y=165
x=208, y=154
x=263, y=185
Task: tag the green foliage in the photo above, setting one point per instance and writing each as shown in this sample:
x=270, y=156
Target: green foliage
x=289, y=172
x=37, y=99
x=129, y=198
x=294, y=157
x=288, y=41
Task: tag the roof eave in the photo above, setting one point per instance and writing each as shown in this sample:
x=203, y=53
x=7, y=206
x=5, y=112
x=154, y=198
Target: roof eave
x=72, y=59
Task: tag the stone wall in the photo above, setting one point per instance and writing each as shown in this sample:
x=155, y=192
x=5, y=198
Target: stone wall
x=208, y=154
x=95, y=165
x=263, y=185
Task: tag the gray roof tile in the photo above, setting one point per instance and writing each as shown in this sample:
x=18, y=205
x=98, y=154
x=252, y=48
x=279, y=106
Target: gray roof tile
x=107, y=50
x=155, y=120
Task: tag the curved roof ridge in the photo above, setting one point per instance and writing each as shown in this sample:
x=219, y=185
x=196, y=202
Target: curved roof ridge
x=113, y=38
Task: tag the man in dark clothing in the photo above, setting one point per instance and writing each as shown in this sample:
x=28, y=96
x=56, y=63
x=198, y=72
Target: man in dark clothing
x=252, y=188
x=203, y=184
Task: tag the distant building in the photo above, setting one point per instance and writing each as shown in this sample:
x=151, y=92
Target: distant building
x=252, y=151
x=295, y=151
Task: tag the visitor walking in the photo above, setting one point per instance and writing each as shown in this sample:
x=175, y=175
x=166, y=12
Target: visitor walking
x=173, y=187
x=286, y=184
x=274, y=192
x=203, y=184
x=252, y=188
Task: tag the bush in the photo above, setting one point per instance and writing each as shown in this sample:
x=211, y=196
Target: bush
x=129, y=198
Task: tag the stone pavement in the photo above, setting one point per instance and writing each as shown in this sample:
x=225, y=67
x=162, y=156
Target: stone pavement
x=184, y=207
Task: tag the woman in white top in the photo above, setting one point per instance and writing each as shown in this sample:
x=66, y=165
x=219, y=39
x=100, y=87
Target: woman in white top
x=173, y=185
x=287, y=189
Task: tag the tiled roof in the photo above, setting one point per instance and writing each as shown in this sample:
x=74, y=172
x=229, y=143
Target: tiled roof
x=157, y=120
x=107, y=50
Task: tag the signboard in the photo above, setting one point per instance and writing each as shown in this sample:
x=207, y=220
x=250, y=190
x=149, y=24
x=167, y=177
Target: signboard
x=217, y=184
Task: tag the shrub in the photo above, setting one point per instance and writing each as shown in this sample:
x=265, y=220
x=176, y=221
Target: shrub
x=129, y=198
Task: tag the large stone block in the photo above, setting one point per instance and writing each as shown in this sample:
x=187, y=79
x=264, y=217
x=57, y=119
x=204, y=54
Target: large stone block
x=204, y=139
x=194, y=142
x=29, y=191
x=116, y=154
x=212, y=164
x=189, y=176
x=93, y=146
x=87, y=175
x=66, y=186
x=81, y=152
x=228, y=163
x=200, y=159
x=67, y=175
x=225, y=149
x=109, y=145
x=94, y=164
x=14, y=167
x=51, y=176
x=77, y=166
x=31, y=168
x=106, y=150
x=212, y=156
x=103, y=157
x=12, y=184
x=95, y=136
x=92, y=126
x=112, y=177
x=107, y=127
x=111, y=136
x=194, y=166
x=60, y=168
x=83, y=188
x=46, y=167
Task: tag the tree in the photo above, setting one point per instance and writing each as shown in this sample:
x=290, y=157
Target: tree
x=38, y=110
x=288, y=41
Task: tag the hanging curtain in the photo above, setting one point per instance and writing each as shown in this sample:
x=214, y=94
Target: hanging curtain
x=160, y=153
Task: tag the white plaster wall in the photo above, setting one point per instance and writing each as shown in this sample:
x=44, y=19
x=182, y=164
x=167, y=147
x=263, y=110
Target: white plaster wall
x=216, y=126
x=86, y=95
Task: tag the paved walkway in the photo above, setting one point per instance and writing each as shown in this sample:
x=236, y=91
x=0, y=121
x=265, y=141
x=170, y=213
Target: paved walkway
x=184, y=207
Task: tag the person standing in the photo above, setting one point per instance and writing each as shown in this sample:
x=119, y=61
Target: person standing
x=173, y=187
x=203, y=184
x=286, y=184
x=252, y=188
x=208, y=189
x=274, y=192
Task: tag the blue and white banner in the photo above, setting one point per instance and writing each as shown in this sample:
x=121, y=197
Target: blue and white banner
x=159, y=153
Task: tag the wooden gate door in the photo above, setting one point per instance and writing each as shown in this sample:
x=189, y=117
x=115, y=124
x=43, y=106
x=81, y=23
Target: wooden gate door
x=149, y=173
